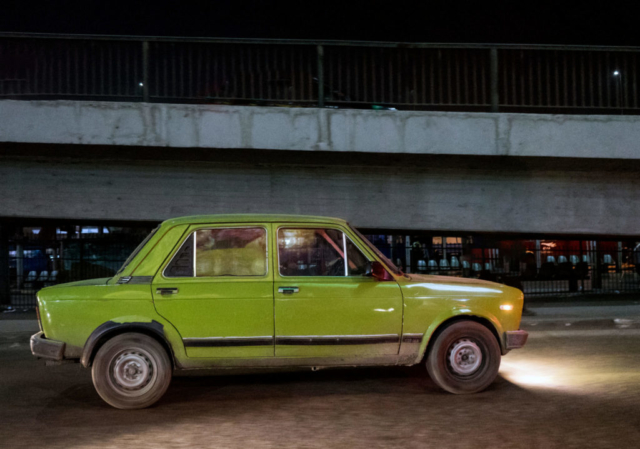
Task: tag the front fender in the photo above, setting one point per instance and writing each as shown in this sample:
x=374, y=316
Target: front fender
x=454, y=313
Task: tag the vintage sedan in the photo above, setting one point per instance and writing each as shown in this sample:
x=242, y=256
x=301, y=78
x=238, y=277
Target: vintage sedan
x=271, y=291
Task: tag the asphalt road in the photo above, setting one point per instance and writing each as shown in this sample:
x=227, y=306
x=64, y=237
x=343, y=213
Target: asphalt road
x=565, y=389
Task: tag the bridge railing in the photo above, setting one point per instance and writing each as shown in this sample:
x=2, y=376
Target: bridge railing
x=452, y=77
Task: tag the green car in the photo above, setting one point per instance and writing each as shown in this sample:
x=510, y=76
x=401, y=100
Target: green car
x=271, y=291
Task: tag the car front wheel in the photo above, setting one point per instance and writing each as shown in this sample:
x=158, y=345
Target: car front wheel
x=464, y=358
x=131, y=371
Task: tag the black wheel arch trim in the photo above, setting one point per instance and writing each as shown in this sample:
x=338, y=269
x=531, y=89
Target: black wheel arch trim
x=110, y=329
x=455, y=319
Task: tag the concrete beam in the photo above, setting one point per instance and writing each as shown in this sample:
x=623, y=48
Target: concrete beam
x=312, y=129
x=483, y=199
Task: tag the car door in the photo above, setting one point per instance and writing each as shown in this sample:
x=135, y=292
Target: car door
x=325, y=304
x=217, y=290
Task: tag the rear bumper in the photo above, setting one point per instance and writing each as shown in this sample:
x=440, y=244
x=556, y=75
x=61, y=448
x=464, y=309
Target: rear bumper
x=516, y=339
x=46, y=349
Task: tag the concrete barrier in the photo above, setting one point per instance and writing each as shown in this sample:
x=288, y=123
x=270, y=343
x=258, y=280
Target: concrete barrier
x=313, y=129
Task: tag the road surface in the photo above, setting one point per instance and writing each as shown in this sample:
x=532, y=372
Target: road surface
x=565, y=389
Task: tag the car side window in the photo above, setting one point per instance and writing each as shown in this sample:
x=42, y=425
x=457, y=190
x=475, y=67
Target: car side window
x=221, y=252
x=182, y=263
x=358, y=262
x=318, y=252
x=310, y=252
x=231, y=252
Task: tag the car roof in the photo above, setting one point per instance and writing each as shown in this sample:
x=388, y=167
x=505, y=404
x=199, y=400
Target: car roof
x=251, y=218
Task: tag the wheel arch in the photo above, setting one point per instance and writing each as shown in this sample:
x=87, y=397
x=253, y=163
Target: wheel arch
x=456, y=319
x=110, y=329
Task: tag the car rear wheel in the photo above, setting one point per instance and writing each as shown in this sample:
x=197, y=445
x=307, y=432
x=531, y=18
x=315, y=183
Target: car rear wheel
x=465, y=358
x=131, y=371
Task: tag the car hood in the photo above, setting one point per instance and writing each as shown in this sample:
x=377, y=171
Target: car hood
x=452, y=285
x=85, y=283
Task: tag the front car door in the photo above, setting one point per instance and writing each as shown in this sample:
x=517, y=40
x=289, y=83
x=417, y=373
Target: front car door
x=325, y=304
x=217, y=290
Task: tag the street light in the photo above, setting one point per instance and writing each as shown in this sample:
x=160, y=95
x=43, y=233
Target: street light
x=618, y=77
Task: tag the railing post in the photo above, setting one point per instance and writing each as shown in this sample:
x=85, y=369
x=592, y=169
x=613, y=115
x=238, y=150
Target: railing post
x=320, y=76
x=145, y=71
x=495, y=98
x=5, y=291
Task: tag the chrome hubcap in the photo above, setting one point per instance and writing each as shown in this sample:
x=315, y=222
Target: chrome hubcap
x=464, y=357
x=133, y=371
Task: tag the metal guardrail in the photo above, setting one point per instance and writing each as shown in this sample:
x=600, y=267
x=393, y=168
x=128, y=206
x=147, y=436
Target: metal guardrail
x=572, y=270
x=464, y=77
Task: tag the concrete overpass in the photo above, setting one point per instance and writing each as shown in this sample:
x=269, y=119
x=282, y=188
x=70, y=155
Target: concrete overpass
x=475, y=172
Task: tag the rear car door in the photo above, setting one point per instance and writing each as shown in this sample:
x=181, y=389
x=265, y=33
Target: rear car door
x=217, y=290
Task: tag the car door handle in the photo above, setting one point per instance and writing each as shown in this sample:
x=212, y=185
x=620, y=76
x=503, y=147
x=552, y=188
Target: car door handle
x=288, y=290
x=167, y=291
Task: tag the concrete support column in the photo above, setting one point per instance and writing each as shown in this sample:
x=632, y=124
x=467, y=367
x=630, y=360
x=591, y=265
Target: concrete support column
x=619, y=259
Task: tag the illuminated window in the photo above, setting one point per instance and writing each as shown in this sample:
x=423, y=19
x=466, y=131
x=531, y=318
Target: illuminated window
x=231, y=252
x=221, y=252
x=318, y=252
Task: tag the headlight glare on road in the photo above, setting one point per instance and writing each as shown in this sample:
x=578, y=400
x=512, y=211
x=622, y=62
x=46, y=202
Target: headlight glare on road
x=528, y=376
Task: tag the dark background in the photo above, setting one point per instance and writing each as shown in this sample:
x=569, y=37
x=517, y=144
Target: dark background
x=602, y=23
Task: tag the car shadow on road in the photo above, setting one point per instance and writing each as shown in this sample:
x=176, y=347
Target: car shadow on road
x=197, y=394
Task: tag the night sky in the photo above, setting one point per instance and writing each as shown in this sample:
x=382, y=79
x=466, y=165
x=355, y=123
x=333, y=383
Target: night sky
x=411, y=21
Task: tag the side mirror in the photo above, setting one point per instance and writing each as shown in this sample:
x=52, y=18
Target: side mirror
x=379, y=272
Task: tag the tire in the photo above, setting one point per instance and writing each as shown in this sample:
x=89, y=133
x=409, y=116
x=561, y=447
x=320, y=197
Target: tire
x=131, y=371
x=464, y=358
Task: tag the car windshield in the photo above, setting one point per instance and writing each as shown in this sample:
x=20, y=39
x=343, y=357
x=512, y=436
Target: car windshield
x=136, y=251
x=384, y=258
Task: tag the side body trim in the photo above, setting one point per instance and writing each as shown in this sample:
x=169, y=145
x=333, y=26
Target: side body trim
x=294, y=340
x=221, y=342
x=412, y=338
x=312, y=340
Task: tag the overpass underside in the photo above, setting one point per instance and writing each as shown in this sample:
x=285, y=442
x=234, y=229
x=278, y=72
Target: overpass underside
x=521, y=195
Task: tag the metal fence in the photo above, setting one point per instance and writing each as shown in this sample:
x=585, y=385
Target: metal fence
x=321, y=73
x=34, y=258
x=33, y=262
x=581, y=267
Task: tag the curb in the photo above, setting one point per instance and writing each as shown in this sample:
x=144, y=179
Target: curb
x=556, y=324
